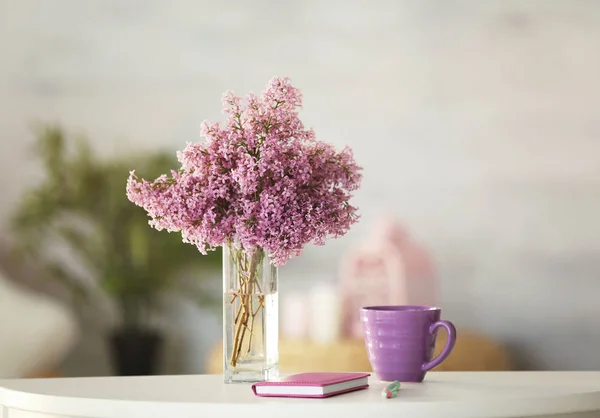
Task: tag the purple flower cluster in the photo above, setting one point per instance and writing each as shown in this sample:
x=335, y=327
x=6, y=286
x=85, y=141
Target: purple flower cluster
x=261, y=179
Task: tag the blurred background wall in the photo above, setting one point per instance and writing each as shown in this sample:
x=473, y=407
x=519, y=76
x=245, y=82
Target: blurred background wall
x=477, y=124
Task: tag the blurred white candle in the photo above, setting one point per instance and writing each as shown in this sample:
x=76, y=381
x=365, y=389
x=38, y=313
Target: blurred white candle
x=294, y=311
x=324, y=326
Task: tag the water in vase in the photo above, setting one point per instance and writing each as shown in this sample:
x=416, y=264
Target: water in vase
x=250, y=327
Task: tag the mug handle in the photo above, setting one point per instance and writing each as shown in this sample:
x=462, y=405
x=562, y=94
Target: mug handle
x=449, y=344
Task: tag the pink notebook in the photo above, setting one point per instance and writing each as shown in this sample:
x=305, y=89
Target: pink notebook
x=312, y=385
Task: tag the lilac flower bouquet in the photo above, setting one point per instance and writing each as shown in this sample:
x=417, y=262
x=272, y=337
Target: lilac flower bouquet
x=262, y=187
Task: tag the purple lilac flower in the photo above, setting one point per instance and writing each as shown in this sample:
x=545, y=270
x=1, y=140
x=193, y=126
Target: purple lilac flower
x=260, y=178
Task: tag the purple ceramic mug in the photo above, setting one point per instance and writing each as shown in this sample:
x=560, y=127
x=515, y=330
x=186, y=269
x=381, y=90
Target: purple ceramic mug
x=400, y=340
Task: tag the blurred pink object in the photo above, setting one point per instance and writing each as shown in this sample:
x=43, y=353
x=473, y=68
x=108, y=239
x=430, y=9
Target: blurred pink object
x=388, y=269
x=294, y=316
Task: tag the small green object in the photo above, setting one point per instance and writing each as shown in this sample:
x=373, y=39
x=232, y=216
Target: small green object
x=391, y=390
x=395, y=385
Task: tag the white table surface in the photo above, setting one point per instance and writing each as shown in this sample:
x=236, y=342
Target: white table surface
x=442, y=394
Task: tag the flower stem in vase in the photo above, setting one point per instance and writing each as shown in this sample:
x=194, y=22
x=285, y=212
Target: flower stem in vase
x=250, y=316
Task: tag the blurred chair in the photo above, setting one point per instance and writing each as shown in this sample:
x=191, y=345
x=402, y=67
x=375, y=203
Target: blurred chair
x=36, y=332
x=472, y=352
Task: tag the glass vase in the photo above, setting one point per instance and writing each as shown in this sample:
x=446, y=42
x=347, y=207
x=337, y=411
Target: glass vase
x=250, y=316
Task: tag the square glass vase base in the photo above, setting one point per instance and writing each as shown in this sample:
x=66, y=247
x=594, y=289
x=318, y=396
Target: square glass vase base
x=250, y=376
